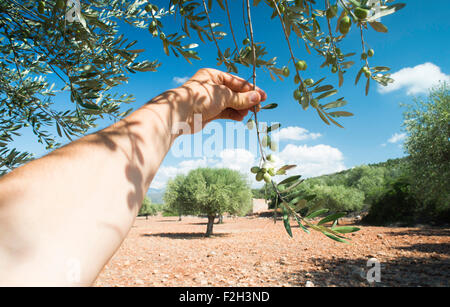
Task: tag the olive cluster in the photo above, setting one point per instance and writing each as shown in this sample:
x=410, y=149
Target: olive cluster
x=267, y=170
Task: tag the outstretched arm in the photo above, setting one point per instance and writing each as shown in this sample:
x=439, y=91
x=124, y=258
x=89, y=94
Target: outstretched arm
x=63, y=216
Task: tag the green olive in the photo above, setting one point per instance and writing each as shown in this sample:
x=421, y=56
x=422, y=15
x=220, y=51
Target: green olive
x=297, y=94
x=285, y=71
x=345, y=24
x=267, y=178
x=363, y=55
x=301, y=65
x=259, y=176
x=361, y=13
x=309, y=82
x=370, y=52
x=255, y=170
x=246, y=41
x=334, y=69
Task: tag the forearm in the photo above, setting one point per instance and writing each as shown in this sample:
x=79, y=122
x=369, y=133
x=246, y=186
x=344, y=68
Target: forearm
x=76, y=205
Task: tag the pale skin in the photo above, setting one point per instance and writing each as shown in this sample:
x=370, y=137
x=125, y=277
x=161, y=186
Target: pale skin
x=63, y=216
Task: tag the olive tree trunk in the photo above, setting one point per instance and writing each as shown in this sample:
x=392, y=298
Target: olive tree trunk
x=209, y=227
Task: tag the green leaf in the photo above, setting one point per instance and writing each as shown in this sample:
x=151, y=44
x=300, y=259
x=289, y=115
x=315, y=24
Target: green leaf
x=322, y=88
x=286, y=190
x=326, y=94
x=331, y=218
x=286, y=223
x=290, y=179
x=334, y=104
x=300, y=204
x=136, y=51
x=345, y=229
x=340, y=114
x=333, y=121
x=316, y=213
x=221, y=4
x=273, y=127
x=378, y=26
x=333, y=237
x=358, y=76
x=287, y=167
x=301, y=225
x=322, y=116
x=269, y=106
x=367, y=86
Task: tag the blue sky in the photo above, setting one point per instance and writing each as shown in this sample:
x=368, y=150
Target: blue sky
x=416, y=48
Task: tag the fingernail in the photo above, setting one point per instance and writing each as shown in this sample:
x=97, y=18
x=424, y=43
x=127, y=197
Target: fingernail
x=254, y=97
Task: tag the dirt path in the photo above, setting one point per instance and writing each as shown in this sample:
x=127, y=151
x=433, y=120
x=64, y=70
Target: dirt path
x=256, y=252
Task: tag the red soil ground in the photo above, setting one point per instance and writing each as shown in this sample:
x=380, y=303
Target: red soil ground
x=253, y=251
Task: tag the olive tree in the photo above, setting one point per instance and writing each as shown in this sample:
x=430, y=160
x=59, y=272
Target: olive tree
x=427, y=125
x=80, y=43
x=211, y=192
x=147, y=208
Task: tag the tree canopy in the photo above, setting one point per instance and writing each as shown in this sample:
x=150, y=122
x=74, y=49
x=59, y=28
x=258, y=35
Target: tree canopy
x=427, y=122
x=211, y=192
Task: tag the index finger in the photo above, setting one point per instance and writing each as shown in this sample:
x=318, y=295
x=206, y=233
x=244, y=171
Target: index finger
x=237, y=84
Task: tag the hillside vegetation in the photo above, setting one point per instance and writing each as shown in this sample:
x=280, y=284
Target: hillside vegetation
x=382, y=192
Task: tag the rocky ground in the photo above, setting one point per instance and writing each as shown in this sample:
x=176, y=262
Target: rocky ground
x=253, y=251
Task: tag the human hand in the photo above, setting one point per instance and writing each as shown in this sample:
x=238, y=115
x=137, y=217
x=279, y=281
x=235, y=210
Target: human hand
x=214, y=94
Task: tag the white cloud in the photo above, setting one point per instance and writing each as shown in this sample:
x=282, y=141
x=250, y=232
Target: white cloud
x=415, y=80
x=180, y=80
x=313, y=161
x=237, y=159
x=295, y=134
x=397, y=137
x=310, y=160
x=168, y=172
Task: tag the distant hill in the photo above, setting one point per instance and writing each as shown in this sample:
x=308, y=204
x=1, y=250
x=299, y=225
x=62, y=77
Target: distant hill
x=156, y=195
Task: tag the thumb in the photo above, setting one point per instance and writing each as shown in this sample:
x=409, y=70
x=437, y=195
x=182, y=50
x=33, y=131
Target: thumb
x=243, y=101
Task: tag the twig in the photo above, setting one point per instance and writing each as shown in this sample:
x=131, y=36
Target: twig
x=212, y=31
x=287, y=39
x=15, y=54
x=249, y=16
x=231, y=26
x=363, y=44
x=243, y=18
